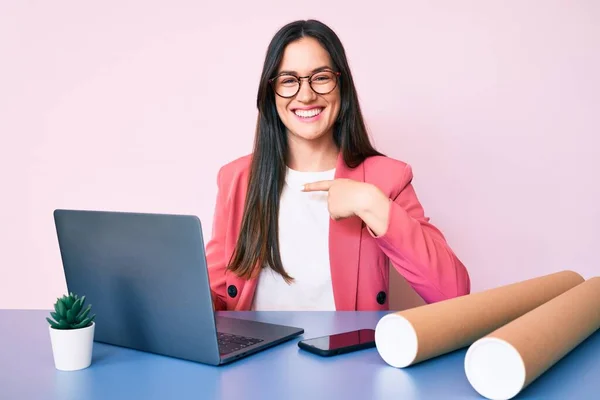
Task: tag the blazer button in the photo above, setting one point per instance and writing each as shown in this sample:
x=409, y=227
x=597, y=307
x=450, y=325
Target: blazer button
x=381, y=297
x=232, y=291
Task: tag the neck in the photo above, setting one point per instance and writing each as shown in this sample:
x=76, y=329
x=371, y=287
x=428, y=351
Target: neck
x=312, y=155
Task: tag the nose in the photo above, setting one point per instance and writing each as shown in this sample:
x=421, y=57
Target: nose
x=305, y=94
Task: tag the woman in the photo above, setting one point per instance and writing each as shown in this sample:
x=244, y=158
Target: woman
x=310, y=219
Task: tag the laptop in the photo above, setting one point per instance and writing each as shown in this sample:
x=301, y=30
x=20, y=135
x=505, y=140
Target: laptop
x=146, y=277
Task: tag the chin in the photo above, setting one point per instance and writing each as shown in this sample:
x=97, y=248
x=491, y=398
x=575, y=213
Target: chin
x=307, y=134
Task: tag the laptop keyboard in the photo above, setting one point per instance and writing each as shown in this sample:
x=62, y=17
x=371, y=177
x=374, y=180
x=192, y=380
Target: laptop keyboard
x=228, y=343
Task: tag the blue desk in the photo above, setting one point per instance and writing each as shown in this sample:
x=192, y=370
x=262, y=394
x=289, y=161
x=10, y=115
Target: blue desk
x=283, y=372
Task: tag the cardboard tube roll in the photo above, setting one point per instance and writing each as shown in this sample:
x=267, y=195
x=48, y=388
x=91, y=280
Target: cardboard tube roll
x=503, y=363
x=410, y=336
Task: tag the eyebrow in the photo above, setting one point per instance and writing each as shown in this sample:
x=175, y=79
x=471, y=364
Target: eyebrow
x=313, y=71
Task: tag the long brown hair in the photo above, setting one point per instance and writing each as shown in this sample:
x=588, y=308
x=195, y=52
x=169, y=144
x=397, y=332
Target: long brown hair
x=258, y=243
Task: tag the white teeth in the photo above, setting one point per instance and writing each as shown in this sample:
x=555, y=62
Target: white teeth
x=308, y=113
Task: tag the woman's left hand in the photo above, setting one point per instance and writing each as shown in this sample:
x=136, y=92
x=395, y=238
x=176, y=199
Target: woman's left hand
x=347, y=197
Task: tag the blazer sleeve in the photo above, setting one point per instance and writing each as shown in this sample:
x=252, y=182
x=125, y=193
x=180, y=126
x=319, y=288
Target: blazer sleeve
x=215, y=248
x=418, y=250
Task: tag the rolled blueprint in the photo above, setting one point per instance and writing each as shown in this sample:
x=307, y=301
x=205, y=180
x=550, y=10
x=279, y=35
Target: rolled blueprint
x=503, y=363
x=410, y=336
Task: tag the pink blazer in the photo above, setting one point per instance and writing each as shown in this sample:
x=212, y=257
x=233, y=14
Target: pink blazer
x=358, y=259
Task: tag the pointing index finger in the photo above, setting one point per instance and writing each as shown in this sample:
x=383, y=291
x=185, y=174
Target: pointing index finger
x=317, y=186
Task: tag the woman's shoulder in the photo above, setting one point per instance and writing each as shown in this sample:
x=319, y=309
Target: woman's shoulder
x=389, y=174
x=234, y=170
x=387, y=164
x=237, y=164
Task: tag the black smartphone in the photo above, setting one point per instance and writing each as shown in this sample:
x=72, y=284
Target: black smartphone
x=339, y=343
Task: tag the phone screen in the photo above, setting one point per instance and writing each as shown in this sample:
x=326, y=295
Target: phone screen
x=344, y=340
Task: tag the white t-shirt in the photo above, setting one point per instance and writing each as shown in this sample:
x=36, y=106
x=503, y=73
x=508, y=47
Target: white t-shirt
x=304, y=248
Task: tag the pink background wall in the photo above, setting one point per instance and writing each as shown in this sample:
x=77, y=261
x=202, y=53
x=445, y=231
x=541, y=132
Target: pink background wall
x=134, y=105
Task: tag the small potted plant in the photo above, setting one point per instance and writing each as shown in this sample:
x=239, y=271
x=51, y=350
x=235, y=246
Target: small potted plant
x=71, y=333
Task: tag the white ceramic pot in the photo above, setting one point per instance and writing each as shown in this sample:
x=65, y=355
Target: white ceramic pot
x=72, y=348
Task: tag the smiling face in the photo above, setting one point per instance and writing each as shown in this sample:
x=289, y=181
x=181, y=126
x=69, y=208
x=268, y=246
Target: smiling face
x=307, y=115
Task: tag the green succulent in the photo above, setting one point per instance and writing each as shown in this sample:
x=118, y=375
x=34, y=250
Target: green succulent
x=70, y=314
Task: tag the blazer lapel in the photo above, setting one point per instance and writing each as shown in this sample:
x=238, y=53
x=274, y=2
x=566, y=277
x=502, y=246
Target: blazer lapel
x=344, y=247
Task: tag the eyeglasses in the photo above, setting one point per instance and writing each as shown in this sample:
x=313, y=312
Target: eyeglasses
x=287, y=85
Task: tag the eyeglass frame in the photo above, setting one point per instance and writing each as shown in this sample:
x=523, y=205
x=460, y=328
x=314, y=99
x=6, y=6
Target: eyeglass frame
x=307, y=77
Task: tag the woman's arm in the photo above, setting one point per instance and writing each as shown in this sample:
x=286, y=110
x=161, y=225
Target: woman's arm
x=215, y=250
x=417, y=249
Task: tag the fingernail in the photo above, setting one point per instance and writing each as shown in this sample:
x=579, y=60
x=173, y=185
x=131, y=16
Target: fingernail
x=302, y=187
